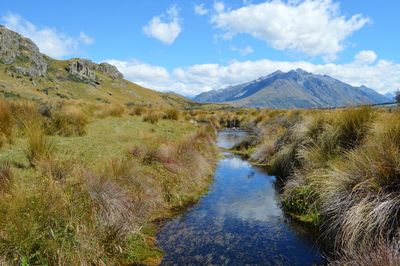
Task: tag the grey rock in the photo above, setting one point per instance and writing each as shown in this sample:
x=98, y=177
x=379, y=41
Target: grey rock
x=22, y=53
x=110, y=70
x=82, y=70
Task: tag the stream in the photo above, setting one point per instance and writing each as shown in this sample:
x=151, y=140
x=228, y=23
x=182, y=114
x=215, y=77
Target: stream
x=238, y=222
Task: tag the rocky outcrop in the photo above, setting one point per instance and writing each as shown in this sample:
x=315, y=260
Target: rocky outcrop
x=22, y=53
x=82, y=70
x=110, y=70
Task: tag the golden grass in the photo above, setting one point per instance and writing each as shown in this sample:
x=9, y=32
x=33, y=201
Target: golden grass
x=5, y=122
x=87, y=197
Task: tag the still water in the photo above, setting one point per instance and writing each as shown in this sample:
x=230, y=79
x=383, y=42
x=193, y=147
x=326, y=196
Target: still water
x=239, y=222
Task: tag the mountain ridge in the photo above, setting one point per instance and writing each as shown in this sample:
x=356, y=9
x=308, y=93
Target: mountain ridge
x=293, y=89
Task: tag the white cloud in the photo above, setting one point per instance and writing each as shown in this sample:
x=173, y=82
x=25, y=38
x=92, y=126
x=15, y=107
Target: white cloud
x=49, y=40
x=143, y=74
x=165, y=27
x=366, y=57
x=382, y=75
x=243, y=51
x=200, y=10
x=85, y=38
x=219, y=7
x=312, y=27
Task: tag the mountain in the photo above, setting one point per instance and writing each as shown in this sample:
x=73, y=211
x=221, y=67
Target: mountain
x=294, y=89
x=391, y=95
x=25, y=73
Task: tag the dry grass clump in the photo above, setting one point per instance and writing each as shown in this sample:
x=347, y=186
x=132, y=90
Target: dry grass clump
x=106, y=110
x=5, y=176
x=172, y=114
x=384, y=254
x=138, y=110
x=116, y=210
x=25, y=115
x=70, y=122
x=37, y=229
x=5, y=122
x=152, y=117
x=39, y=147
x=360, y=193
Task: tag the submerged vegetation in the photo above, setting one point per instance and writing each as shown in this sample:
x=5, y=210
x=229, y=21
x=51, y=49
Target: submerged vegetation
x=85, y=184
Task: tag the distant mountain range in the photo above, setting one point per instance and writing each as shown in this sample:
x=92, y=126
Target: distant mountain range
x=294, y=89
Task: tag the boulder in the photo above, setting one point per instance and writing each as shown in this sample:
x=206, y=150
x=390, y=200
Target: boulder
x=22, y=53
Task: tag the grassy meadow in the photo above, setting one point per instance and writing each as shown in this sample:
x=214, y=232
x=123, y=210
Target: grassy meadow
x=87, y=183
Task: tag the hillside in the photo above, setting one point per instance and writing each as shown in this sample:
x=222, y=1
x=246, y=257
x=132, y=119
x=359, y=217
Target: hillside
x=294, y=89
x=27, y=74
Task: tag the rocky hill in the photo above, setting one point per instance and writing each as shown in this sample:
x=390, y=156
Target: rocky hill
x=294, y=89
x=25, y=73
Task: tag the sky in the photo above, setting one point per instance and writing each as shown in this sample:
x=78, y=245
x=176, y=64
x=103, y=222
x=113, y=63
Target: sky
x=192, y=46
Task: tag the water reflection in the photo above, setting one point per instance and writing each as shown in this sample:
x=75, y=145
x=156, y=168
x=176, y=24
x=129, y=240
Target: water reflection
x=238, y=222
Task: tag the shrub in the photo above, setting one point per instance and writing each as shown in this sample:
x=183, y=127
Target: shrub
x=5, y=122
x=70, y=122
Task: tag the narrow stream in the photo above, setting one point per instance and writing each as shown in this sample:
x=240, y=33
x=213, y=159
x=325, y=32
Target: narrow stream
x=238, y=222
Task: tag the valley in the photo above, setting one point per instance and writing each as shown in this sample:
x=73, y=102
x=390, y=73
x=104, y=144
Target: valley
x=282, y=170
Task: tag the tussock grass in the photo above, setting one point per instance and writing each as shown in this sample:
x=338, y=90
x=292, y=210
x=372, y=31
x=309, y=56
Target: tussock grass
x=5, y=176
x=138, y=110
x=39, y=147
x=5, y=122
x=70, y=122
x=363, y=190
x=384, y=254
x=340, y=171
x=172, y=114
x=115, y=110
x=152, y=117
x=87, y=199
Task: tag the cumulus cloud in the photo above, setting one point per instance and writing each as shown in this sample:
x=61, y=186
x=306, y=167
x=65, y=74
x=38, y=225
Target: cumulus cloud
x=382, y=75
x=143, y=74
x=311, y=27
x=165, y=27
x=219, y=7
x=366, y=57
x=49, y=40
x=200, y=10
x=243, y=51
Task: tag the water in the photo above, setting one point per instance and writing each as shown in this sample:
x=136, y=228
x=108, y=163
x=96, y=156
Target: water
x=239, y=222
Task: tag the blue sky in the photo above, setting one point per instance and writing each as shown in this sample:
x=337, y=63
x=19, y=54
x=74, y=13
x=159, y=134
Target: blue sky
x=193, y=46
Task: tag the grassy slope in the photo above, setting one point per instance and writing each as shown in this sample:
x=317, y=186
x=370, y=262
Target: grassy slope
x=58, y=85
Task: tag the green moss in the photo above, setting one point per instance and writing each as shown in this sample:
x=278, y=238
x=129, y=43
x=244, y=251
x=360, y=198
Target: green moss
x=142, y=250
